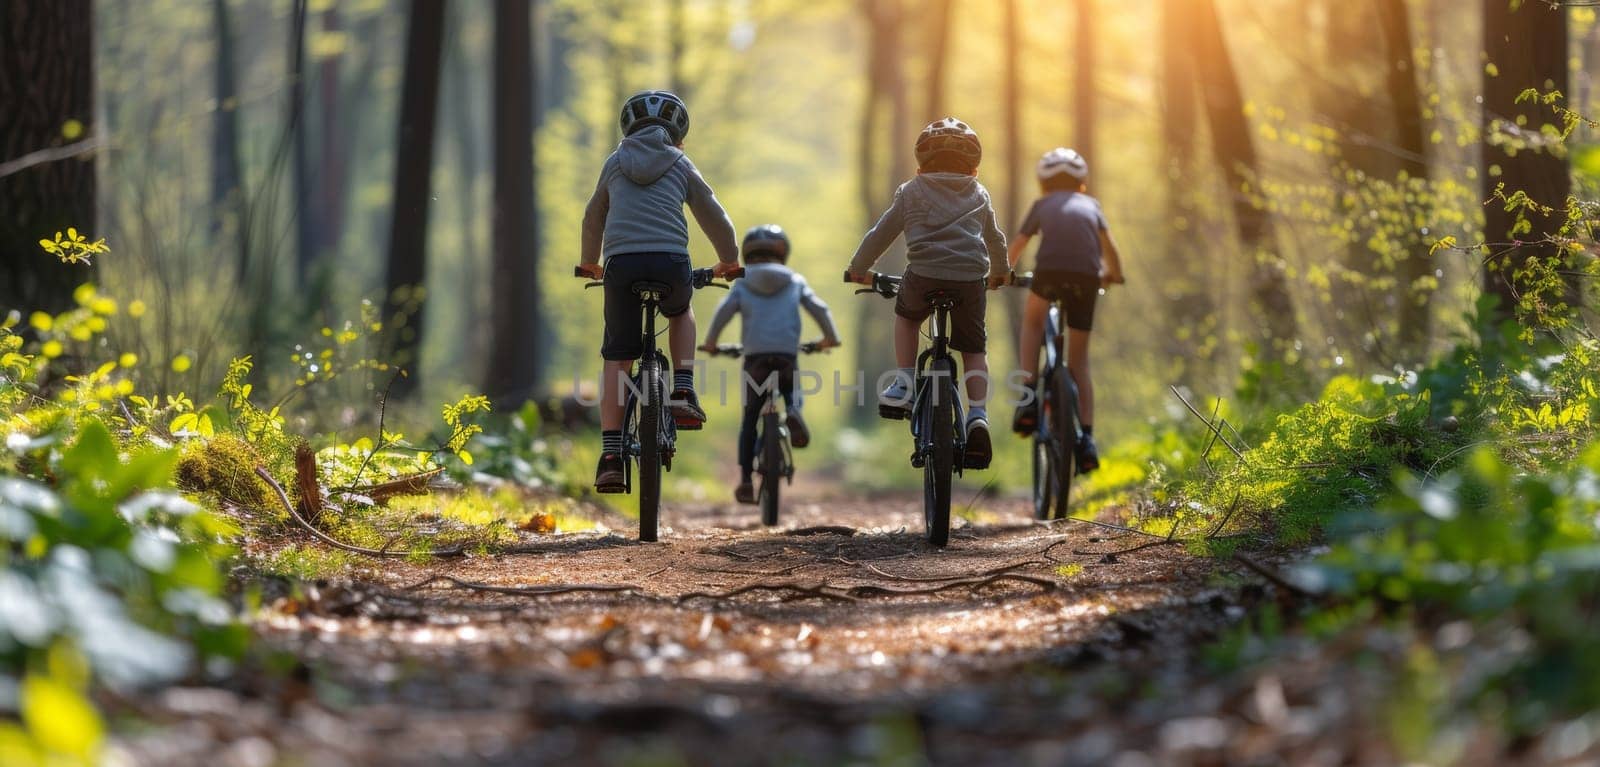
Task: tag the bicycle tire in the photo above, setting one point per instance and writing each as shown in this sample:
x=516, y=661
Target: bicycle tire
x=1046, y=479
x=941, y=414
x=771, y=441
x=1064, y=430
x=650, y=414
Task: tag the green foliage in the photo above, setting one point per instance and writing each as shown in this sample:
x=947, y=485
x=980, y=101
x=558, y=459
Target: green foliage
x=1516, y=554
x=107, y=575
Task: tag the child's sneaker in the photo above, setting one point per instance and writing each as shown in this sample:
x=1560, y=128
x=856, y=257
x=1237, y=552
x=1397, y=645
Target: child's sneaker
x=1026, y=419
x=895, y=401
x=745, y=492
x=609, y=476
x=799, y=435
x=686, y=411
x=979, y=450
x=1088, y=456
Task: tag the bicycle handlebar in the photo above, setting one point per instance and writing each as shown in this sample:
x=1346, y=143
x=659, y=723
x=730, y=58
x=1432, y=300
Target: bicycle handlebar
x=737, y=350
x=699, y=278
x=885, y=285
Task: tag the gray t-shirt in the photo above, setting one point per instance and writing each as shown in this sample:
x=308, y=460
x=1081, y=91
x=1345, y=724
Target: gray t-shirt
x=1071, y=223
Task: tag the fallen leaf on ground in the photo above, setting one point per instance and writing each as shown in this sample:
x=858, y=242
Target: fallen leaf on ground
x=541, y=523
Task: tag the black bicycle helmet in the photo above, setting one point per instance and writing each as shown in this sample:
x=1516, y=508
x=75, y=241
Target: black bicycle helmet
x=949, y=137
x=662, y=108
x=766, y=240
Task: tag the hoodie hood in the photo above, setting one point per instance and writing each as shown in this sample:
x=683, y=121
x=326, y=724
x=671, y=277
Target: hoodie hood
x=950, y=197
x=767, y=279
x=646, y=155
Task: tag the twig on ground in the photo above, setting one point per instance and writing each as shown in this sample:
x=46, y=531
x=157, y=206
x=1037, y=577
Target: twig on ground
x=796, y=590
x=779, y=571
x=294, y=514
x=973, y=583
x=1266, y=572
x=1215, y=429
x=843, y=530
x=527, y=591
x=963, y=576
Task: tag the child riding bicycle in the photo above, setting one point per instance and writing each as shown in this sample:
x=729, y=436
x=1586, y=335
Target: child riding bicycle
x=1076, y=258
x=768, y=301
x=952, y=244
x=635, y=221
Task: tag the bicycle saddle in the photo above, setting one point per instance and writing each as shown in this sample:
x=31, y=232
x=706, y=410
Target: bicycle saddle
x=647, y=286
x=941, y=296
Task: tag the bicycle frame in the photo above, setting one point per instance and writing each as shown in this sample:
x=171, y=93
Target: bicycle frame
x=929, y=388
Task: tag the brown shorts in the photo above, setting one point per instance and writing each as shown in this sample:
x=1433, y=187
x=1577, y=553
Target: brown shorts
x=966, y=318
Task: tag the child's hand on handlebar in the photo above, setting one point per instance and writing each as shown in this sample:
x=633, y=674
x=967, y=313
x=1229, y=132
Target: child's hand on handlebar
x=708, y=347
x=592, y=271
x=726, y=271
x=1110, y=277
x=859, y=278
x=824, y=344
x=998, y=280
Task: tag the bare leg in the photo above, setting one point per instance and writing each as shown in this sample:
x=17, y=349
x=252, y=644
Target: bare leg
x=906, y=339
x=1078, y=364
x=680, y=337
x=975, y=368
x=1032, y=340
x=613, y=393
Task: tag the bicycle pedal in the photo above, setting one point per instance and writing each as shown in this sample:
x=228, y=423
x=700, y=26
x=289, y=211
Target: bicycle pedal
x=894, y=413
x=611, y=489
x=918, y=460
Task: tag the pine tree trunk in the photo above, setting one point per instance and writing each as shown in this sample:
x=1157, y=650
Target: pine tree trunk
x=517, y=348
x=1011, y=96
x=226, y=195
x=1405, y=100
x=938, y=52
x=1083, y=72
x=1526, y=48
x=1271, y=307
x=46, y=101
x=1190, y=283
x=408, y=231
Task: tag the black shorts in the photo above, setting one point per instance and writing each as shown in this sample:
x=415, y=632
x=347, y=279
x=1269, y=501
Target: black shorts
x=624, y=313
x=1076, y=293
x=966, y=319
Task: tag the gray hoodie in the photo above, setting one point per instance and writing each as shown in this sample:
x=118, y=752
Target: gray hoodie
x=638, y=205
x=768, y=302
x=949, y=225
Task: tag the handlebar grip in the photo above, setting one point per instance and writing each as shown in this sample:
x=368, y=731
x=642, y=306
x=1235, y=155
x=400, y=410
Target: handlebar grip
x=577, y=271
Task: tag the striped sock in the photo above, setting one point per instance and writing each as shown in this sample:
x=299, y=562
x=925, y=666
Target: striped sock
x=611, y=442
x=683, y=380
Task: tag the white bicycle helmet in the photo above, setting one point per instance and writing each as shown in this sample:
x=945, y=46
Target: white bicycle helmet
x=1062, y=160
x=662, y=108
x=949, y=137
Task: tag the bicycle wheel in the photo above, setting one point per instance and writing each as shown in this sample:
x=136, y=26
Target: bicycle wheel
x=1064, y=433
x=1046, y=476
x=651, y=411
x=771, y=467
x=940, y=412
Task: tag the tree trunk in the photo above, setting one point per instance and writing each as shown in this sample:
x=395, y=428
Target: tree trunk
x=1190, y=284
x=938, y=52
x=333, y=169
x=475, y=293
x=1526, y=48
x=305, y=212
x=226, y=194
x=1011, y=96
x=408, y=230
x=1083, y=55
x=1272, y=308
x=517, y=348
x=885, y=88
x=1405, y=99
x=677, y=44
x=47, y=99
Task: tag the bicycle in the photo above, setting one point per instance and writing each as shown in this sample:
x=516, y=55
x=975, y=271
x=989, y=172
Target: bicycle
x=774, y=458
x=649, y=433
x=1055, y=434
x=936, y=413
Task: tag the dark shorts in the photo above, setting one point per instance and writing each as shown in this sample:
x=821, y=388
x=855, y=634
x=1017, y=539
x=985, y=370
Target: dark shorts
x=624, y=313
x=966, y=319
x=1075, y=291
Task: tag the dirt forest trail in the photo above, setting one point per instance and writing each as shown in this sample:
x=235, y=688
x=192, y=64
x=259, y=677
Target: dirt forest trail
x=841, y=637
